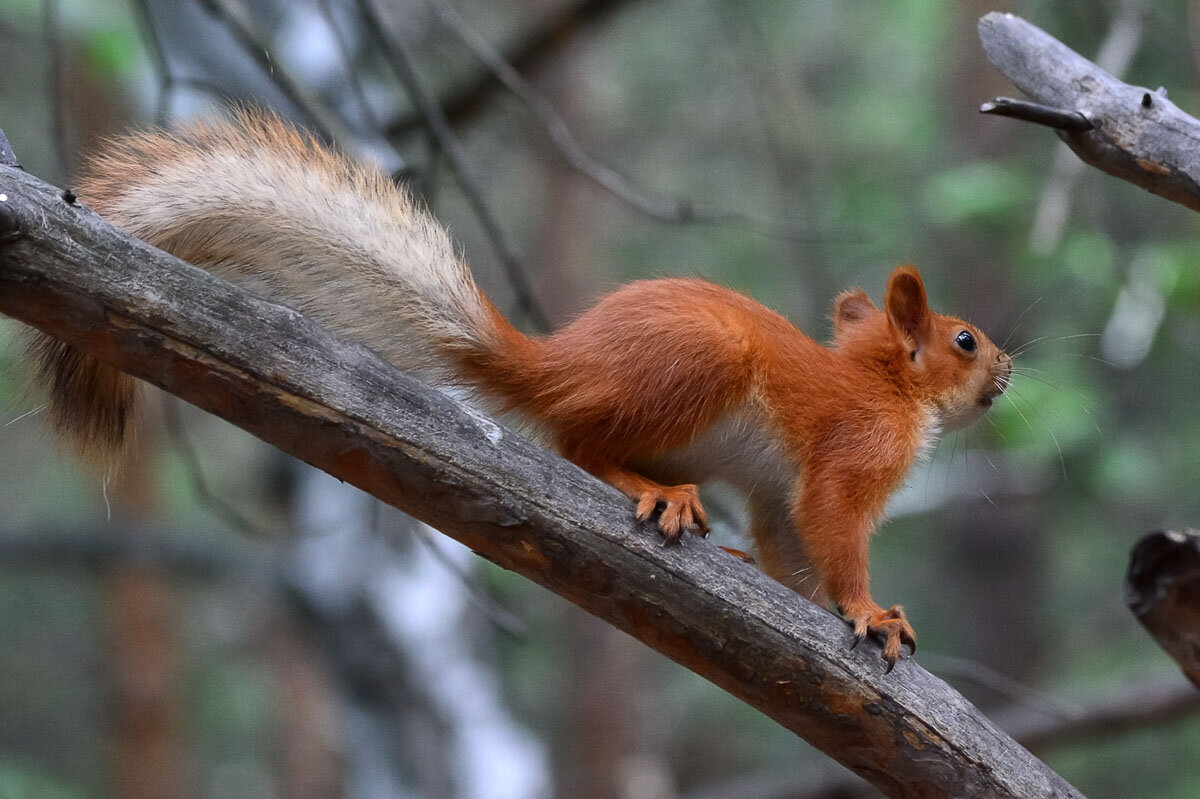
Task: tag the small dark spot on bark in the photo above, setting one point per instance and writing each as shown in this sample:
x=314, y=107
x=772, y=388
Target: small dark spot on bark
x=1147, y=100
x=10, y=224
x=69, y=197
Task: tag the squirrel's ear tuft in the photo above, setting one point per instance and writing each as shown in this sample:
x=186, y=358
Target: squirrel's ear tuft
x=851, y=307
x=906, y=305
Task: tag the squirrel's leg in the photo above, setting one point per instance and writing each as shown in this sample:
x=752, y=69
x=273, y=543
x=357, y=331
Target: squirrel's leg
x=837, y=538
x=680, y=505
x=780, y=551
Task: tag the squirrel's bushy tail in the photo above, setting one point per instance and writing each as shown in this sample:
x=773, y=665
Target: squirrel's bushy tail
x=265, y=206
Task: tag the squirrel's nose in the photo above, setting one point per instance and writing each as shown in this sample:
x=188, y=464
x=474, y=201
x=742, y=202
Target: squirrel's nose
x=1001, y=372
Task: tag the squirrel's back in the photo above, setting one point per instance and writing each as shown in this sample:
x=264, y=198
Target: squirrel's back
x=259, y=203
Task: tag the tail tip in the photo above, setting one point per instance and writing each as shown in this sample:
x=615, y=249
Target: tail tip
x=89, y=404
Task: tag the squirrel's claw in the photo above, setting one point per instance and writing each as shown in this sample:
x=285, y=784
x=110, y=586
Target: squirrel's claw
x=737, y=553
x=681, y=510
x=891, y=627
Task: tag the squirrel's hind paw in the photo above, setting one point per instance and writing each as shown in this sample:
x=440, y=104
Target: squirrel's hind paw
x=681, y=510
x=889, y=626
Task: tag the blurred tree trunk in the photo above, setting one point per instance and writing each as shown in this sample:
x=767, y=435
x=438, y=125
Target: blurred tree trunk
x=566, y=247
x=972, y=78
x=148, y=754
x=309, y=758
x=605, y=747
x=994, y=552
x=999, y=575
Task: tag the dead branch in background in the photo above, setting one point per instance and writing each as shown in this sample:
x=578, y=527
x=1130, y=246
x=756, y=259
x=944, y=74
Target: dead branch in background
x=541, y=42
x=334, y=404
x=404, y=63
x=179, y=553
x=673, y=211
x=1138, y=134
x=163, y=72
x=54, y=85
x=205, y=496
x=1129, y=709
x=1162, y=588
x=1114, y=56
x=254, y=44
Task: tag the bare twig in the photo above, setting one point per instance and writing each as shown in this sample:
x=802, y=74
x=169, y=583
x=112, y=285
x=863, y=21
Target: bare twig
x=162, y=65
x=352, y=81
x=176, y=551
x=254, y=45
x=677, y=211
x=1139, y=135
x=1126, y=710
x=501, y=617
x=541, y=42
x=58, y=124
x=778, y=105
x=1057, y=118
x=7, y=157
x=986, y=677
x=207, y=498
x=404, y=64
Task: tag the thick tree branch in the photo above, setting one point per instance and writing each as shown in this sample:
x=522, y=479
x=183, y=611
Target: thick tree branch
x=1162, y=588
x=1138, y=135
x=335, y=405
x=1131, y=708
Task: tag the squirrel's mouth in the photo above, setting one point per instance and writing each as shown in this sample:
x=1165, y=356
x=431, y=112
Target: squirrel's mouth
x=999, y=381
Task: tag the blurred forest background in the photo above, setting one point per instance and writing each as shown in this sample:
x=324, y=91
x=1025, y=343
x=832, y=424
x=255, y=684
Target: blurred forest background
x=225, y=622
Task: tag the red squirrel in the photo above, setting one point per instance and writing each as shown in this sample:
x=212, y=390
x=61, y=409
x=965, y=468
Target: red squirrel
x=661, y=385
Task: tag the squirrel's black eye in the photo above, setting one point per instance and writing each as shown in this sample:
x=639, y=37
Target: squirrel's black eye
x=965, y=341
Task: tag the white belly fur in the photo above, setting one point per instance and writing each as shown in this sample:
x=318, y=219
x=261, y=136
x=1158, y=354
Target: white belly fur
x=741, y=449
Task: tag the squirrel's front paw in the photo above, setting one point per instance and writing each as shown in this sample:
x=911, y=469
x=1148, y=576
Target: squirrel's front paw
x=681, y=510
x=890, y=626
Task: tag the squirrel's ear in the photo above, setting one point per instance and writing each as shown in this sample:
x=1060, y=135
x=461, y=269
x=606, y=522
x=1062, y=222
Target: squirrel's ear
x=850, y=307
x=906, y=305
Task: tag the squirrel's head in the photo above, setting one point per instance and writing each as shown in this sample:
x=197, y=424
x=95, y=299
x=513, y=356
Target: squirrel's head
x=946, y=361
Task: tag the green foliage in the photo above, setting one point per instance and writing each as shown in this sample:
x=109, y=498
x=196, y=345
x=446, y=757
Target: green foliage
x=983, y=192
x=111, y=53
x=234, y=706
x=1088, y=257
x=20, y=783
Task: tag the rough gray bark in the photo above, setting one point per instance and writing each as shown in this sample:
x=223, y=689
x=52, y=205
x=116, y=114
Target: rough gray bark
x=1162, y=588
x=1138, y=134
x=1131, y=708
x=336, y=405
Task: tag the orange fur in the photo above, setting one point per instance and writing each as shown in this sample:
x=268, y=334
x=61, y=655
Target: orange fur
x=663, y=384
x=654, y=364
